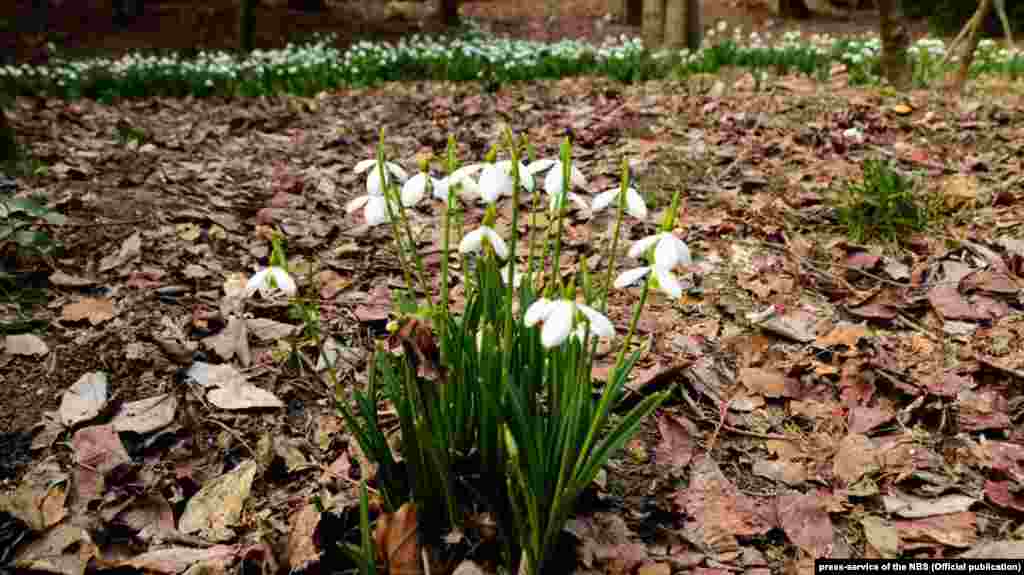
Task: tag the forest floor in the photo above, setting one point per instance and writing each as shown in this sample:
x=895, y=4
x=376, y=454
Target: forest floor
x=871, y=412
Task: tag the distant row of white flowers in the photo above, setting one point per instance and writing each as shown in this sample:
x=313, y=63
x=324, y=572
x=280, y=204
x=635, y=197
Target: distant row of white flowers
x=468, y=55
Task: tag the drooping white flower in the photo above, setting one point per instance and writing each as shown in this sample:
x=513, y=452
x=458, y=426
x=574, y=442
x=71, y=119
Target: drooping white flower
x=494, y=182
x=474, y=240
x=415, y=189
x=375, y=208
x=373, y=183
x=558, y=317
x=268, y=281
x=669, y=252
x=509, y=269
x=635, y=204
x=553, y=179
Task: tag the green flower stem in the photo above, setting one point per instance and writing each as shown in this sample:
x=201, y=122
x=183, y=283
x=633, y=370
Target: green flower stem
x=612, y=250
x=510, y=287
x=446, y=235
x=564, y=155
x=395, y=231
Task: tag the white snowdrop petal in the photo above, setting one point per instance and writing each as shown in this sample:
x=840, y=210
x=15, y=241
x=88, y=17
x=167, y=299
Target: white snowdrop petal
x=398, y=171
x=256, y=282
x=602, y=200
x=577, y=178
x=471, y=242
x=500, y=249
x=540, y=165
x=373, y=186
x=630, y=277
x=578, y=200
x=494, y=183
x=599, y=323
x=356, y=203
x=537, y=311
x=670, y=252
x=553, y=182
x=635, y=204
x=284, y=281
x=414, y=189
x=668, y=283
x=440, y=189
x=365, y=165
x=376, y=211
x=464, y=172
x=558, y=323
x=642, y=245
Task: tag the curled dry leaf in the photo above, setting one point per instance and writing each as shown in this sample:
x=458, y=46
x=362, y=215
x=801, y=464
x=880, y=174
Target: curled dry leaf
x=25, y=344
x=217, y=508
x=395, y=541
x=98, y=452
x=85, y=399
x=66, y=549
x=95, y=309
x=146, y=415
x=130, y=249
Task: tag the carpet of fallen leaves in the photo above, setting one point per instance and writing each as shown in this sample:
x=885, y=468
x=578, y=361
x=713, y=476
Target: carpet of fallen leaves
x=834, y=399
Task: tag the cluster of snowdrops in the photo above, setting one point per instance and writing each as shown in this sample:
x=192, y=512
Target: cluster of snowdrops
x=514, y=391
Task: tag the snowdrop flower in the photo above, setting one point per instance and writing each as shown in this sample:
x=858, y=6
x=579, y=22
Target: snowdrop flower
x=375, y=208
x=415, y=188
x=494, y=182
x=373, y=186
x=473, y=242
x=553, y=179
x=269, y=281
x=669, y=251
x=558, y=317
x=509, y=269
x=635, y=204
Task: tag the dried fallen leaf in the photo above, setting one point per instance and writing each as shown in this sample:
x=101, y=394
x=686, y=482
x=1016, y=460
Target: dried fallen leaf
x=230, y=388
x=130, y=249
x=146, y=415
x=855, y=458
x=62, y=279
x=175, y=560
x=95, y=309
x=84, y=400
x=847, y=334
x=25, y=344
x=265, y=329
x=302, y=549
x=66, y=549
x=996, y=550
x=910, y=506
x=953, y=529
x=217, y=507
x=882, y=536
x=720, y=511
x=396, y=543
x=98, y=452
x=764, y=382
x=806, y=522
x=675, y=450
x=40, y=496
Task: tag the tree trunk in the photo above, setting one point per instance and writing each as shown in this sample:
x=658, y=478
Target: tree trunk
x=895, y=42
x=653, y=29
x=8, y=145
x=306, y=5
x=675, y=23
x=246, y=25
x=973, y=39
x=694, y=25
x=634, y=12
x=449, y=12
